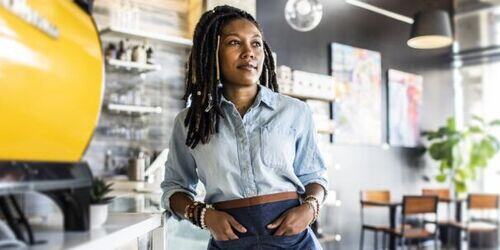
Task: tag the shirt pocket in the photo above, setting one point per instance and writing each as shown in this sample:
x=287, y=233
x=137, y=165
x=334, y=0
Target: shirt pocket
x=277, y=147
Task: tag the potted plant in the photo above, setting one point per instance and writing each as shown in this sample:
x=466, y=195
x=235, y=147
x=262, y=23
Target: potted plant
x=99, y=202
x=462, y=152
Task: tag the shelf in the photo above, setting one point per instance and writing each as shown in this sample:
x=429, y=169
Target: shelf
x=325, y=131
x=327, y=238
x=299, y=96
x=174, y=40
x=131, y=66
x=134, y=109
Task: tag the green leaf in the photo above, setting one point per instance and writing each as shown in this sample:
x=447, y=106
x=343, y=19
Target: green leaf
x=494, y=142
x=475, y=129
x=441, y=178
x=494, y=123
x=487, y=149
x=460, y=187
x=99, y=191
x=462, y=174
x=451, y=124
x=433, y=135
x=477, y=118
x=435, y=150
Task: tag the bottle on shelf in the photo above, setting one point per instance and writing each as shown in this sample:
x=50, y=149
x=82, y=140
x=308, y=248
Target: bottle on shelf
x=139, y=54
x=128, y=50
x=110, y=51
x=149, y=53
x=120, y=54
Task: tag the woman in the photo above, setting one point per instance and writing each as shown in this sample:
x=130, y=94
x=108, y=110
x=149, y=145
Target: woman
x=253, y=148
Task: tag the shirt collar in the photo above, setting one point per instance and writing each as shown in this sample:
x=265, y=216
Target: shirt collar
x=264, y=95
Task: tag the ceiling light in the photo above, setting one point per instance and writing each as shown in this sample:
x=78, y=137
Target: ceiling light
x=431, y=30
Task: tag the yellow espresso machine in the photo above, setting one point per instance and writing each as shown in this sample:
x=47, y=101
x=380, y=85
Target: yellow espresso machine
x=51, y=88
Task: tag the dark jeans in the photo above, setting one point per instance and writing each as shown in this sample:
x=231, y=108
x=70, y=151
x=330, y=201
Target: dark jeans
x=255, y=219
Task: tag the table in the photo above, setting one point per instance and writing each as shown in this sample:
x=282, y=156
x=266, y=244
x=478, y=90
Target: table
x=393, y=205
x=392, y=217
x=458, y=219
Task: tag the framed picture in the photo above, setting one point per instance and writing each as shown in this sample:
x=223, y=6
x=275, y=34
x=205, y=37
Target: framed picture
x=405, y=103
x=357, y=108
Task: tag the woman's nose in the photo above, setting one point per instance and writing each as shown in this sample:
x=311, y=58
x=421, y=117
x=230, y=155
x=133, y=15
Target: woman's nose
x=247, y=52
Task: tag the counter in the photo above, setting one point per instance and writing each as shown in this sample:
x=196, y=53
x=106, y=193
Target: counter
x=178, y=233
x=119, y=230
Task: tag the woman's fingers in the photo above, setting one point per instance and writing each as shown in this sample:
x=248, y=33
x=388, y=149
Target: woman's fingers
x=276, y=223
x=280, y=231
x=221, y=238
x=230, y=234
x=225, y=230
x=237, y=225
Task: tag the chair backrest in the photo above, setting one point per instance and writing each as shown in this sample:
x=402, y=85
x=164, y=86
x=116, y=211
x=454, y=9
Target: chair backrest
x=442, y=193
x=382, y=196
x=375, y=196
x=419, y=204
x=482, y=201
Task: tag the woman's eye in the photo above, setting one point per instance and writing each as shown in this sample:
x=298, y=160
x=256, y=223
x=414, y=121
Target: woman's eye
x=257, y=44
x=234, y=42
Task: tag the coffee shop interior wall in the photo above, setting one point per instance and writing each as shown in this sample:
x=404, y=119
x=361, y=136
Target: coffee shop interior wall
x=400, y=170
x=121, y=135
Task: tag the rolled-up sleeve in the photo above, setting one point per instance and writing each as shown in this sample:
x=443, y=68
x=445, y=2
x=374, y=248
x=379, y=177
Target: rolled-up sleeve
x=308, y=164
x=180, y=167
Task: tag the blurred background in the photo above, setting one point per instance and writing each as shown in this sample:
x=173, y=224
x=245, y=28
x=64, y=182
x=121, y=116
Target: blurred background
x=405, y=97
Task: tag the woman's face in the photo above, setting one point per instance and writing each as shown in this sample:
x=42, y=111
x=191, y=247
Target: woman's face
x=241, y=53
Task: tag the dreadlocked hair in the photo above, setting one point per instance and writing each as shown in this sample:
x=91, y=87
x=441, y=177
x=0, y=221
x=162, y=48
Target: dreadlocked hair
x=204, y=113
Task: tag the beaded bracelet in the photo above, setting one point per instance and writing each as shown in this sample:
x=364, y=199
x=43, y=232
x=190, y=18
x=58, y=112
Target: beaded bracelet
x=313, y=202
x=189, y=210
x=199, y=209
x=195, y=213
x=202, y=218
x=315, y=215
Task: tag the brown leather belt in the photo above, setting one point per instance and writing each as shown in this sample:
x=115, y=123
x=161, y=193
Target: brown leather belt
x=257, y=200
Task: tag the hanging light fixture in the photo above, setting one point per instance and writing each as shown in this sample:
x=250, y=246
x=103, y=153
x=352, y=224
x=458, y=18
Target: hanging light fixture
x=303, y=15
x=431, y=29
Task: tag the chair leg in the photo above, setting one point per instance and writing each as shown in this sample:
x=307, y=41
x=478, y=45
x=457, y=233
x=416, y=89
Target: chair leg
x=384, y=240
x=375, y=240
x=436, y=243
x=362, y=239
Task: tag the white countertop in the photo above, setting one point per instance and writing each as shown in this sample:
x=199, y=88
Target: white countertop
x=120, y=228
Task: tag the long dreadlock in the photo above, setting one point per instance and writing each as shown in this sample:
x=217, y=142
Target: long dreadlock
x=202, y=73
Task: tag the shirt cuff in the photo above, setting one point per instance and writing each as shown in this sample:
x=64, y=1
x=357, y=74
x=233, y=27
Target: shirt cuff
x=322, y=182
x=166, y=201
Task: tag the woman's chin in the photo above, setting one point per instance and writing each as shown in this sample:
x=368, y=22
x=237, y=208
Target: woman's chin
x=244, y=83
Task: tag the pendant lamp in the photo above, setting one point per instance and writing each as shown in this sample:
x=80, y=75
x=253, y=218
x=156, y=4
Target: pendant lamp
x=431, y=29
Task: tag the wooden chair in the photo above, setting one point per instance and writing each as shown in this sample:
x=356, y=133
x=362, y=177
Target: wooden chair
x=441, y=193
x=379, y=196
x=418, y=206
x=482, y=224
x=444, y=195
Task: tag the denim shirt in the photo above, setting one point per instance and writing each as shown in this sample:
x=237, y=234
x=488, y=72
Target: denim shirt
x=271, y=149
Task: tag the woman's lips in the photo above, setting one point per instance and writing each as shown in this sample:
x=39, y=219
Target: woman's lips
x=247, y=68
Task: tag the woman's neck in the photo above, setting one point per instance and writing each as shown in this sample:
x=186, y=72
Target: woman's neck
x=241, y=96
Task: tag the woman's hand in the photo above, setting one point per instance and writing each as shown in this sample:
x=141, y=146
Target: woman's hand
x=221, y=225
x=293, y=221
